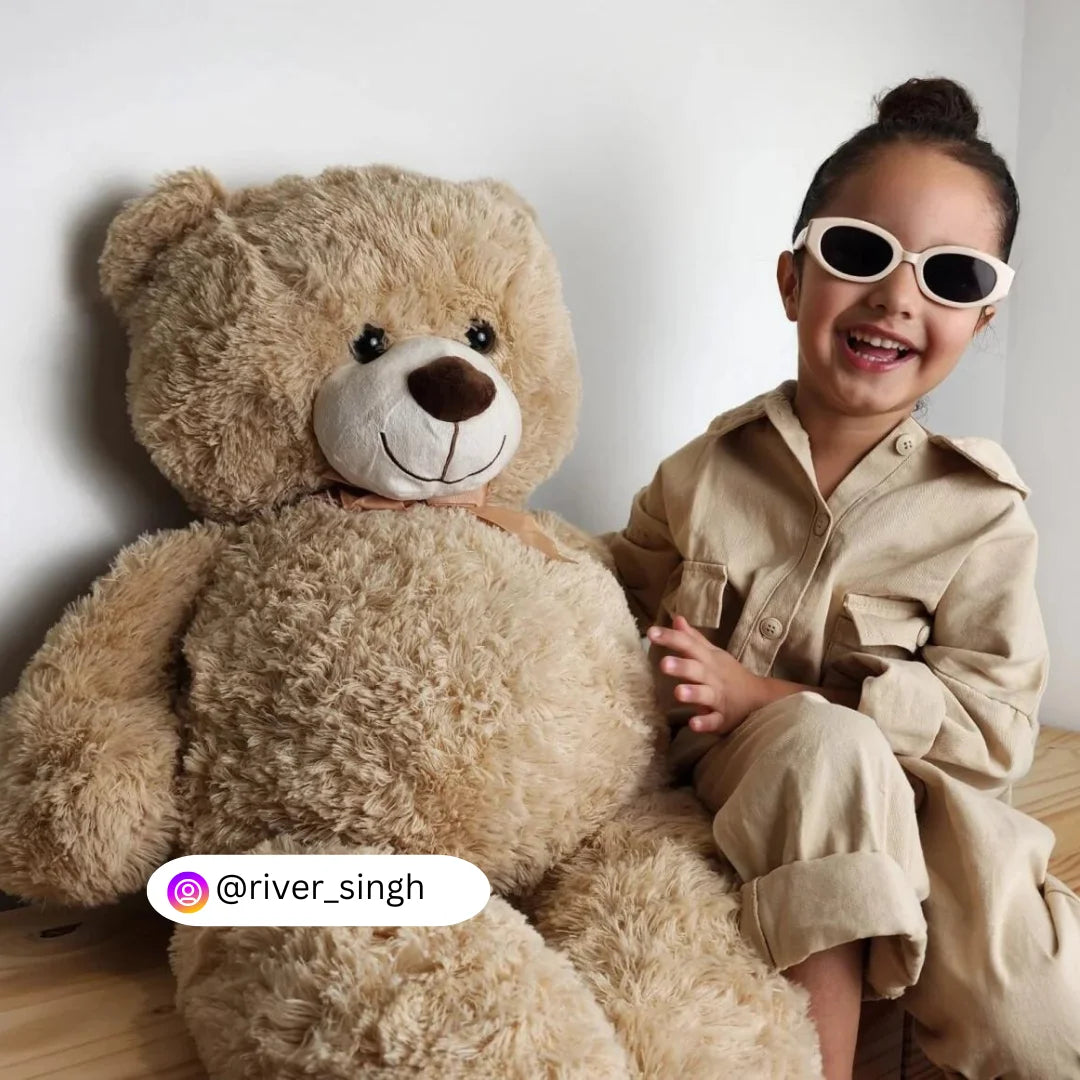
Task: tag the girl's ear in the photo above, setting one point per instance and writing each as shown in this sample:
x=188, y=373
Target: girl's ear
x=787, y=280
x=985, y=317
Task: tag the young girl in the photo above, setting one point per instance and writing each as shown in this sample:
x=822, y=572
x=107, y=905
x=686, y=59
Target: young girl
x=846, y=612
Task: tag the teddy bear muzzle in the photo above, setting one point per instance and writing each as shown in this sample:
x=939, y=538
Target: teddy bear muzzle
x=426, y=418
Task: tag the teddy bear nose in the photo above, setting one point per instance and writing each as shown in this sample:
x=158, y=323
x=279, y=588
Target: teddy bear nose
x=451, y=389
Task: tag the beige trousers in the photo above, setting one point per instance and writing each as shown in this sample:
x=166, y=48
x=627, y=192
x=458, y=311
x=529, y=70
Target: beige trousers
x=837, y=839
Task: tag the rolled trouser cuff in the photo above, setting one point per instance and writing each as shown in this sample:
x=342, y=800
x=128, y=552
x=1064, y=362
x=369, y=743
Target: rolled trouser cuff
x=805, y=907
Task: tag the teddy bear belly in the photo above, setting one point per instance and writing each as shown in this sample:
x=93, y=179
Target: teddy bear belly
x=416, y=680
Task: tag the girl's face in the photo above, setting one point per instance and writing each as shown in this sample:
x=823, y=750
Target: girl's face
x=924, y=198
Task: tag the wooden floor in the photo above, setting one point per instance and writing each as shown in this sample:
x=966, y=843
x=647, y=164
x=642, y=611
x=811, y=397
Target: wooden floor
x=90, y=996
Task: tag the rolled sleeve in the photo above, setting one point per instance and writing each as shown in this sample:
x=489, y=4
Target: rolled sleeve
x=970, y=705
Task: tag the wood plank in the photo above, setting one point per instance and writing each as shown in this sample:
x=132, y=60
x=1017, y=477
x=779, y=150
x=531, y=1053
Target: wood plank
x=89, y=995
x=1051, y=793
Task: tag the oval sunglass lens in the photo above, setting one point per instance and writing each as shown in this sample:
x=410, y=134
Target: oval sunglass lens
x=855, y=251
x=961, y=278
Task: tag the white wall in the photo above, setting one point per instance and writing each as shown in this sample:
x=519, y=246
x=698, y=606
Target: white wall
x=667, y=148
x=1043, y=385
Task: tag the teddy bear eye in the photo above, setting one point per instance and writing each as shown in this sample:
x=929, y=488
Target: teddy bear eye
x=481, y=337
x=370, y=345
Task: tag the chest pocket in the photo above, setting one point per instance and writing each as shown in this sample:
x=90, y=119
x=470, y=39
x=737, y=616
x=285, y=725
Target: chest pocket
x=885, y=626
x=696, y=592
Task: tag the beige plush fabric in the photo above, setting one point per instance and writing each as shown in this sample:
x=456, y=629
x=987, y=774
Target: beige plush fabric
x=292, y=676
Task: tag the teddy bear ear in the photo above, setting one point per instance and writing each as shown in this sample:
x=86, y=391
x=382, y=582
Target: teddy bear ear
x=502, y=190
x=147, y=226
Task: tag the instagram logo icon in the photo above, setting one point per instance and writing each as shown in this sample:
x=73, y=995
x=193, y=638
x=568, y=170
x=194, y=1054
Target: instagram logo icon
x=188, y=892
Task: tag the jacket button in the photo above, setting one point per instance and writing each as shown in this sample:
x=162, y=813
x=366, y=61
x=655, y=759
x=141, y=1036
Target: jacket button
x=904, y=445
x=821, y=525
x=771, y=628
x=923, y=636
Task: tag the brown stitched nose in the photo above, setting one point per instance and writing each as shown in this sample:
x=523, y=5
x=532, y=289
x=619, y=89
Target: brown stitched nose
x=451, y=389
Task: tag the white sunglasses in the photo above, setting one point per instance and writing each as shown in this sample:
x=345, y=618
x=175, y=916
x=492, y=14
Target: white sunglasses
x=855, y=250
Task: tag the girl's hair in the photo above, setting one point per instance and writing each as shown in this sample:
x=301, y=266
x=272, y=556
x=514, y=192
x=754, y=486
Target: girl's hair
x=930, y=112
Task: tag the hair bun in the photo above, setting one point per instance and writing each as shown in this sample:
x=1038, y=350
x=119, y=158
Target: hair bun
x=934, y=106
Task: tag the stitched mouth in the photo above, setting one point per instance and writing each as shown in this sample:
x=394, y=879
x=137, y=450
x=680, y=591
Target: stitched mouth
x=446, y=465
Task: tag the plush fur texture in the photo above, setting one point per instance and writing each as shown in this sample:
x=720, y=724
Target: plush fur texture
x=447, y=639
x=89, y=740
x=293, y=676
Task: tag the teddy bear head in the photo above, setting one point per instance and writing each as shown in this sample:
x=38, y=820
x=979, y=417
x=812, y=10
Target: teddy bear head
x=404, y=333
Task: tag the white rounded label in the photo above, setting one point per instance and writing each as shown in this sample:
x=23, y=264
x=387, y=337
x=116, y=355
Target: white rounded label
x=318, y=890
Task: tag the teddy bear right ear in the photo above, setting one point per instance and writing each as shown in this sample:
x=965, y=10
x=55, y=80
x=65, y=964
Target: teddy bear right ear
x=502, y=190
x=149, y=225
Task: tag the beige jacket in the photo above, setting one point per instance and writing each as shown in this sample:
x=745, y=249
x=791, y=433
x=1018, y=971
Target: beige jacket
x=916, y=579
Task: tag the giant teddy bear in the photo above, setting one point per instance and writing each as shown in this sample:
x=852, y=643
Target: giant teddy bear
x=364, y=644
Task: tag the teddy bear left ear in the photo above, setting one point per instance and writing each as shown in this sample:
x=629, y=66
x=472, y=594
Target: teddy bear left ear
x=502, y=190
x=148, y=226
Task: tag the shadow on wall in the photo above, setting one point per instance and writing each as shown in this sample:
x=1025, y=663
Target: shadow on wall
x=139, y=498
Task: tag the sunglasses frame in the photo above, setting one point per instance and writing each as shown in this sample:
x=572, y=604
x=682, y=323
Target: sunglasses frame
x=815, y=228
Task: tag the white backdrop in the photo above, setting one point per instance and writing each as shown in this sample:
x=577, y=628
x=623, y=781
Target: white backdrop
x=666, y=147
x=1043, y=399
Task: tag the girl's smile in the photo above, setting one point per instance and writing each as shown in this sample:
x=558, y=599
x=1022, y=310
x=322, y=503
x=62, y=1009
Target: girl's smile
x=874, y=349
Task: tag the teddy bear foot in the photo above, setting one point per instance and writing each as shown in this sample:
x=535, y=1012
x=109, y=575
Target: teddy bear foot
x=483, y=999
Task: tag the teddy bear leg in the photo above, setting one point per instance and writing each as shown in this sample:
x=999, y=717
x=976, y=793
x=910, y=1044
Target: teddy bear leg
x=483, y=999
x=648, y=914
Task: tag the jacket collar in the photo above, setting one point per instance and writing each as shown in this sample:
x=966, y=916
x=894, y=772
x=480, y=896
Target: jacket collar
x=987, y=454
x=751, y=410
x=777, y=405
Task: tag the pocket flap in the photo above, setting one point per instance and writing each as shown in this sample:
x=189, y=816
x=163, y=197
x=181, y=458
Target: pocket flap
x=699, y=596
x=887, y=620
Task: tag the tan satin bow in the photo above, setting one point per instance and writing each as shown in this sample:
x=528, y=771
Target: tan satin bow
x=521, y=524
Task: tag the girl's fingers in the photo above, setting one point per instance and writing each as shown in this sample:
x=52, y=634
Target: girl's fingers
x=712, y=721
x=680, y=623
x=680, y=641
x=696, y=694
x=691, y=670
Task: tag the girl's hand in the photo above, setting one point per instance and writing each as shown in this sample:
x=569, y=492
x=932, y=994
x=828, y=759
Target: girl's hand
x=724, y=691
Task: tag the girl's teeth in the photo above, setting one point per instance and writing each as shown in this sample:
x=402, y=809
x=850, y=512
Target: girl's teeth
x=879, y=342
x=898, y=352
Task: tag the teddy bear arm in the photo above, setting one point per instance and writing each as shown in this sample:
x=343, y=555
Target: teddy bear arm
x=88, y=739
x=648, y=913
